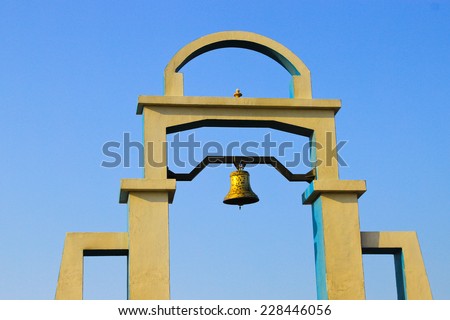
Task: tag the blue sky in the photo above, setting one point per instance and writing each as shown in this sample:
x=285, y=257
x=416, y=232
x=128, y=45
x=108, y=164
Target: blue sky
x=70, y=75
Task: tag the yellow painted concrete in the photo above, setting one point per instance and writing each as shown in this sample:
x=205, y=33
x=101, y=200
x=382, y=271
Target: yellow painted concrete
x=164, y=112
x=417, y=285
x=335, y=201
x=148, y=227
x=249, y=40
x=155, y=146
x=243, y=102
x=146, y=185
x=357, y=187
x=70, y=280
x=343, y=268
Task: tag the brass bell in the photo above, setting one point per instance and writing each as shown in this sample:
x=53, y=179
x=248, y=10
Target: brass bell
x=240, y=191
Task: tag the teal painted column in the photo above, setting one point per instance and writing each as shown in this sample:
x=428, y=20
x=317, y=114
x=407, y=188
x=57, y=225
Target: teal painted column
x=319, y=250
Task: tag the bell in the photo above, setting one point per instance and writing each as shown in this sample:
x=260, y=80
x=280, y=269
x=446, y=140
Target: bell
x=240, y=191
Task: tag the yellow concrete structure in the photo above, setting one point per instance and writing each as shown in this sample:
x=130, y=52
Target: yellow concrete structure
x=148, y=221
x=338, y=253
x=412, y=280
x=338, y=241
x=79, y=245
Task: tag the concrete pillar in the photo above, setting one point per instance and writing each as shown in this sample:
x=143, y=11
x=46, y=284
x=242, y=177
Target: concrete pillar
x=155, y=162
x=337, y=240
x=148, y=229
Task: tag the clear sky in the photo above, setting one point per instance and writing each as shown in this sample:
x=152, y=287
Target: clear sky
x=70, y=75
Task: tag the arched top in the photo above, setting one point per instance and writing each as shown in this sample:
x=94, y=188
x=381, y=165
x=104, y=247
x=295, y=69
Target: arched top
x=244, y=40
x=238, y=39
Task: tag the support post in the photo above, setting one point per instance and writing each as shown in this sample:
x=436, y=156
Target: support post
x=148, y=228
x=337, y=240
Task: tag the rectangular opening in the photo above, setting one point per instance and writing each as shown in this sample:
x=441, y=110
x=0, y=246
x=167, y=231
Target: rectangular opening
x=105, y=277
x=380, y=277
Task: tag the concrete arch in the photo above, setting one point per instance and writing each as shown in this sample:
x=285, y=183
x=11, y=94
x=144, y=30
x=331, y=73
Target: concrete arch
x=301, y=78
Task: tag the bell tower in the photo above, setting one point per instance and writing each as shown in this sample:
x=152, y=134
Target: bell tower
x=338, y=241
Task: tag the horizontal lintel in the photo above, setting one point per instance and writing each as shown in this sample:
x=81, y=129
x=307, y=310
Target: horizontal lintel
x=245, y=103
